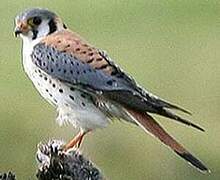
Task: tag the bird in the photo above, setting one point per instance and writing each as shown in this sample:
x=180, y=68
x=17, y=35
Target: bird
x=86, y=87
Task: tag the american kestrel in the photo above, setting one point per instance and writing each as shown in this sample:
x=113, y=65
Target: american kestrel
x=87, y=88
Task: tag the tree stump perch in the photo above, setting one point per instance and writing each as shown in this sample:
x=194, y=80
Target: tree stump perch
x=54, y=164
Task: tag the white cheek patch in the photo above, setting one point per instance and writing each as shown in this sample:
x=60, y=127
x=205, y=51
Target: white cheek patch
x=43, y=29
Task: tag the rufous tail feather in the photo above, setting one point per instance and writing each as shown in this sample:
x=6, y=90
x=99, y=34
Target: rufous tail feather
x=150, y=125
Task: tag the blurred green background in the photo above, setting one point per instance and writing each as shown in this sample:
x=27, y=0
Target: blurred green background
x=170, y=47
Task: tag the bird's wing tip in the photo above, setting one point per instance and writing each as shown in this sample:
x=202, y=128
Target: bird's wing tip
x=184, y=110
x=198, y=127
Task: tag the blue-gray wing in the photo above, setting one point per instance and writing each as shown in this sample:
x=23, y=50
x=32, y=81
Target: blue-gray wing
x=69, y=69
x=117, y=87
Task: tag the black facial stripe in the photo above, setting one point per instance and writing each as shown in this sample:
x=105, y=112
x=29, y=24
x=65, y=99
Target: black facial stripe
x=52, y=26
x=64, y=26
x=35, y=32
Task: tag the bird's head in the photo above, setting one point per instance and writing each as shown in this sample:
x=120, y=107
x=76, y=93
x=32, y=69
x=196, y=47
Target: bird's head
x=35, y=23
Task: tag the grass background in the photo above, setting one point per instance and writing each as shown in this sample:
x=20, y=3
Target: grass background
x=170, y=47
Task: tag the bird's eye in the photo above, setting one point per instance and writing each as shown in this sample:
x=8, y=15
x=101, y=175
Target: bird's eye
x=35, y=21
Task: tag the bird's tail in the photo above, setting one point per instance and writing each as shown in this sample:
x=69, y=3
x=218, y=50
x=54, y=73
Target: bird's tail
x=150, y=125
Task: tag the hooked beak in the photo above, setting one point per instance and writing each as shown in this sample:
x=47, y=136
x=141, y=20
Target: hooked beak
x=17, y=32
x=21, y=28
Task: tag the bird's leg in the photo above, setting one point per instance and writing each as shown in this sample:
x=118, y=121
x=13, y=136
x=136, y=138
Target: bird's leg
x=77, y=140
x=80, y=140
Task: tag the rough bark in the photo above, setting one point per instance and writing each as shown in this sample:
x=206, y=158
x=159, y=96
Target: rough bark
x=54, y=164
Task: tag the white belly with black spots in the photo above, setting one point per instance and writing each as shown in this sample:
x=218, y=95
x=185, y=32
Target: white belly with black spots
x=73, y=106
